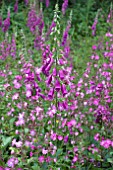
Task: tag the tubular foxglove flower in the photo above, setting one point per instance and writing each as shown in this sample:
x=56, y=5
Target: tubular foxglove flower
x=6, y=23
x=51, y=93
x=94, y=27
x=47, y=3
x=49, y=80
x=64, y=6
x=61, y=74
x=65, y=35
x=16, y=6
x=57, y=86
x=13, y=47
x=64, y=90
x=51, y=29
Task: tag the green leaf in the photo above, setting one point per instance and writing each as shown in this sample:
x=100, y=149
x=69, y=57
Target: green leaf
x=6, y=140
x=2, y=163
x=59, y=151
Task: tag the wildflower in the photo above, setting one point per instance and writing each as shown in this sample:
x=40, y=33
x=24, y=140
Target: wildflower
x=75, y=159
x=47, y=3
x=44, y=151
x=26, y=2
x=65, y=35
x=16, y=6
x=106, y=143
x=64, y=6
x=41, y=159
x=6, y=23
x=64, y=90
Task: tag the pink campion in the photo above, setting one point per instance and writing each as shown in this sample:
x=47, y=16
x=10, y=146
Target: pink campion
x=44, y=151
x=15, y=96
x=60, y=137
x=13, y=142
x=28, y=93
x=41, y=159
x=12, y=162
x=1, y=168
x=75, y=159
x=17, y=86
x=32, y=132
x=18, y=144
x=54, y=136
x=94, y=47
x=106, y=143
x=97, y=137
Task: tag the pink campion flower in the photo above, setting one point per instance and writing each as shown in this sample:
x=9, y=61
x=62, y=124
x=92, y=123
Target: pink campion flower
x=94, y=47
x=12, y=162
x=106, y=143
x=75, y=159
x=60, y=137
x=28, y=93
x=54, y=136
x=17, y=85
x=1, y=168
x=97, y=137
x=75, y=149
x=44, y=151
x=13, y=142
x=18, y=144
x=108, y=34
x=32, y=132
x=31, y=154
x=15, y=96
x=41, y=159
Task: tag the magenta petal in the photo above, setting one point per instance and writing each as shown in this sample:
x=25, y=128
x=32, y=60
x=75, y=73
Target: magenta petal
x=64, y=90
x=61, y=74
x=57, y=86
x=51, y=93
x=49, y=80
